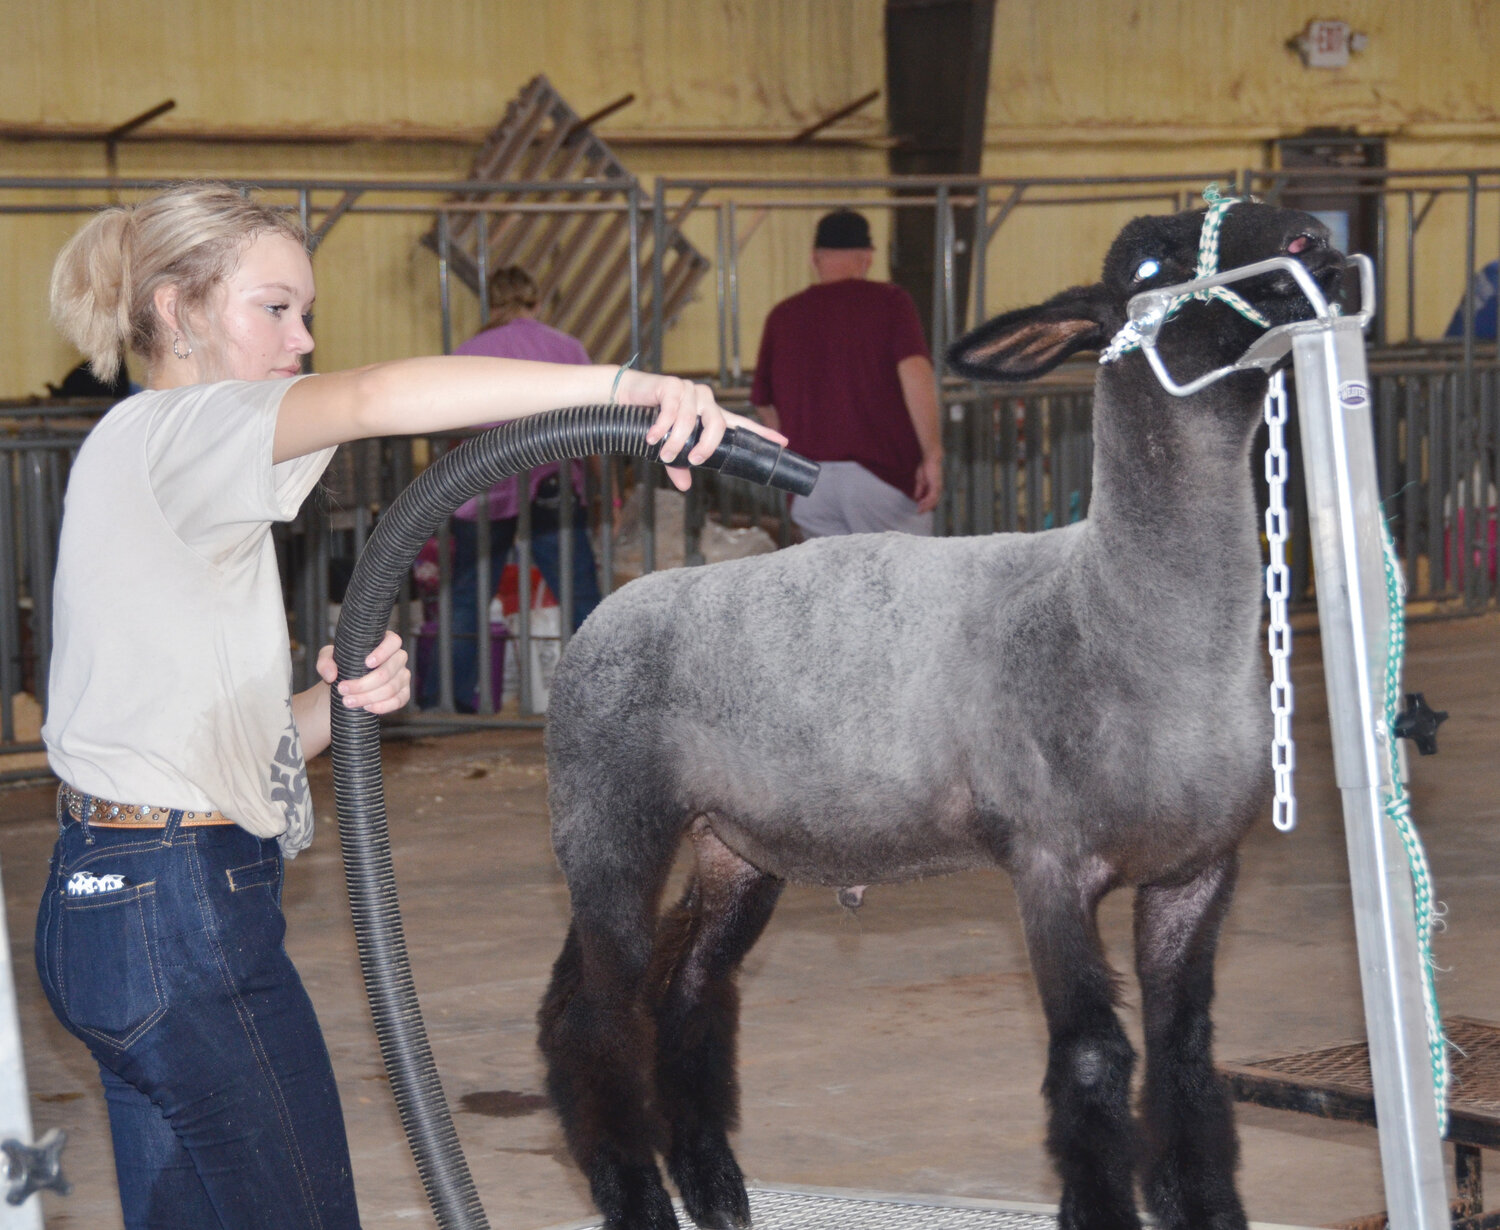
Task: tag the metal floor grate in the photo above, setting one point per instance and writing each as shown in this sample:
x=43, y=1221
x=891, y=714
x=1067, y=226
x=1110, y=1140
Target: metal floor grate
x=784, y=1209
x=794, y=1208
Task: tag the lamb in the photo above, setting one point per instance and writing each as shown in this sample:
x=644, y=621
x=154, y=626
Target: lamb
x=1085, y=707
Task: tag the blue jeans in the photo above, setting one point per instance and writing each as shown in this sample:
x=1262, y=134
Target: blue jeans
x=546, y=550
x=161, y=949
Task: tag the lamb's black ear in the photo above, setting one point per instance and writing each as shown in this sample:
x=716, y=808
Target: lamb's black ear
x=1030, y=342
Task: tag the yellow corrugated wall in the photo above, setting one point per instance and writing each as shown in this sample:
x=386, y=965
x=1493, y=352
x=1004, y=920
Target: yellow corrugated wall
x=1078, y=87
x=1099, y=87
x=1202, y=64
x=691, y=63
x=746, y=66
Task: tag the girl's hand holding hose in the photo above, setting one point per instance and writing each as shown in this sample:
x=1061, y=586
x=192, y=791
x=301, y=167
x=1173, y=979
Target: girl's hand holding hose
x=682, y=404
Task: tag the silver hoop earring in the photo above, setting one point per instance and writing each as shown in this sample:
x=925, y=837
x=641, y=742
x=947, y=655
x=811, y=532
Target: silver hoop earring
x=177, y=352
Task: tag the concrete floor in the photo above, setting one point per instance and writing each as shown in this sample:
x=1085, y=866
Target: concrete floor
x=899, y=1049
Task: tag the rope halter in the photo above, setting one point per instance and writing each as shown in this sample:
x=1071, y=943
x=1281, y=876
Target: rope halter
x=1129, y=337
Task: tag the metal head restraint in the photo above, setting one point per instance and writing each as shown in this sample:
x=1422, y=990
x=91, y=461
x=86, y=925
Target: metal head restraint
x=1129, y=337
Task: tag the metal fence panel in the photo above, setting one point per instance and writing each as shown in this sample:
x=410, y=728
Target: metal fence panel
x=1019, y=460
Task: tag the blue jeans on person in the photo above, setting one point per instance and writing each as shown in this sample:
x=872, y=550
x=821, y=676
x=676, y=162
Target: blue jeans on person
x=161, y=950
x=546, y=551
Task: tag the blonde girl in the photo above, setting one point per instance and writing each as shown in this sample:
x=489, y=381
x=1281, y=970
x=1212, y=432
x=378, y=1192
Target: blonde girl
x=171, y=718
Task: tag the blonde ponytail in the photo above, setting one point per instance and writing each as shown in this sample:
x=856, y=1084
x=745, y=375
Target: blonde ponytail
x=106, y=277
x=90, y=295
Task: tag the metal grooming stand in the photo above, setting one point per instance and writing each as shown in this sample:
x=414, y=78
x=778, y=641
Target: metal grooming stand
x=23, y=1167
x=1335, y=412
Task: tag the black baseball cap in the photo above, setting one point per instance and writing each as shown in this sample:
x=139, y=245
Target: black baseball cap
x=843, y=229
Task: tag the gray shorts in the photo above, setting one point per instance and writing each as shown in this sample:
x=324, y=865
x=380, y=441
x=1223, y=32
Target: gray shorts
x=848, y=499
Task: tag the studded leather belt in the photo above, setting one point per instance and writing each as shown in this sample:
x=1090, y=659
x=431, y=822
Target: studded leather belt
x=106, y=814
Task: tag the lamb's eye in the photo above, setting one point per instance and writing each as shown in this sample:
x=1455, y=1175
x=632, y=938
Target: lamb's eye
x=1147, y=269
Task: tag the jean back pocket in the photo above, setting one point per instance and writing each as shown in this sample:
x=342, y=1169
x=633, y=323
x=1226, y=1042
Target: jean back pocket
x=105, y=964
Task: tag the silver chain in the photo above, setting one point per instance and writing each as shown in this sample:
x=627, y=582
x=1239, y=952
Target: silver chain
x=1278, y=590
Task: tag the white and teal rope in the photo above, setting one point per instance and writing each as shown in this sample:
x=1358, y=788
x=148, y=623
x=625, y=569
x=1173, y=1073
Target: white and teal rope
x=1208, y=257
x=1129, y=338
x=1398, y=811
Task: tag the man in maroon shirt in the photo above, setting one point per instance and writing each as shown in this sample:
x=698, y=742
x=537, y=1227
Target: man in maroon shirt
x=845, y=374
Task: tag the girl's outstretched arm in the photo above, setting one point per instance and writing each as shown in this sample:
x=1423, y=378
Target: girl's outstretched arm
x=439, y=393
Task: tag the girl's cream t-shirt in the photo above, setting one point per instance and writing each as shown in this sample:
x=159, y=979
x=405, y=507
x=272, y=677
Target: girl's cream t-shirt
x=171, y=681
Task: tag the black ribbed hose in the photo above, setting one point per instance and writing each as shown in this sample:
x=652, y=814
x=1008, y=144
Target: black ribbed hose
x=413, y=516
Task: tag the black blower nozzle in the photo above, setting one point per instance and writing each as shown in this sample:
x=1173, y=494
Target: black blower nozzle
x=743, y=454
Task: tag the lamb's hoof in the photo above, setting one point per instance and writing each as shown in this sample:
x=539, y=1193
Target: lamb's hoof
x=721, y=1220
x=853, y=897
x=711, y=1185
x=1194, y=1198
x=1228, y=1219
x=631, y=1196
x=1074, y=1214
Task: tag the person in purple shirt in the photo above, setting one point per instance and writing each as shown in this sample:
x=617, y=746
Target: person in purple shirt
x=513, y=332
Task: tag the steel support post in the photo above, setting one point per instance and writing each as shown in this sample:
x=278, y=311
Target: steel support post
x=609, y=486
x=633, y=220
x=732, y=247
x=721, y=292
x=526, y=689
x=1335, y=413
x=484, y=590
x=564, y=593
x=444, y=650
x=658, y=274
x=10, y=605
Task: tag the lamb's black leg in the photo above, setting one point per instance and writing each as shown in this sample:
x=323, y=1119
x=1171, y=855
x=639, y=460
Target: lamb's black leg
x=1191, y=1148
x=700, y=945
x=1090, y=1130
x=597, y=1038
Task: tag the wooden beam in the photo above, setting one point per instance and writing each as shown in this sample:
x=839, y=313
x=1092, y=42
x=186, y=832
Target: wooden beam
x=833, y=117
x=589, y=121
x=119, y=132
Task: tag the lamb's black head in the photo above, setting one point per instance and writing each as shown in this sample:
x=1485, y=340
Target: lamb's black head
x=1159, y=251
